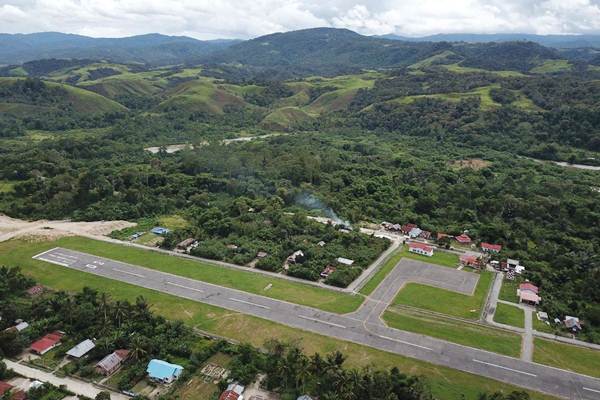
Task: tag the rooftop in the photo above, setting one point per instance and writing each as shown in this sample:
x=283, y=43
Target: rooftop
x=81, y=349
x=160, y=369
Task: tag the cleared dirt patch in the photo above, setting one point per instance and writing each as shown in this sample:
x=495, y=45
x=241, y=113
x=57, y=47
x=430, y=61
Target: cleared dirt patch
x=470, y=163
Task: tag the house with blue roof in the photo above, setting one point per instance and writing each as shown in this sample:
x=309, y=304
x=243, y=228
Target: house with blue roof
x=159, y=230
x=163, y=372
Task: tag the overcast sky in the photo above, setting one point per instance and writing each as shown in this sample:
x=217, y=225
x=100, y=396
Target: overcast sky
x=209, y=19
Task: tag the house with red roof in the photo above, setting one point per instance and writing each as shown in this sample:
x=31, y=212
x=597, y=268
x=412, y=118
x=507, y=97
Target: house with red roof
x=233, y=392
x=528, y=293
x=420, y=248
x=469, y=260
x=47, y=343
x=406, y=228
x=463, y=239
x=491, y=248
x=15, y=394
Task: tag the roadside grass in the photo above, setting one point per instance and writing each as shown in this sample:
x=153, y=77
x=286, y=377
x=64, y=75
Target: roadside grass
x=445, y=383
x=52, y=358
x=444, y=301
x=510, y=315
x=541, y=326
x=508, y=291
x=569, y=357
x=329, y=300
x=465, y=333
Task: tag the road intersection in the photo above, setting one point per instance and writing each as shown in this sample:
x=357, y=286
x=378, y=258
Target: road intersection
x=362, y=326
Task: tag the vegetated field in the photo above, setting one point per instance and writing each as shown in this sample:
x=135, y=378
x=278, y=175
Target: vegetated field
x=509, y=315
x=458, y=69
x=445, y=383
x=6, y=186
x=452, y=330
x=565, y=356
x=552, y=66
x=541, y=326
x=444, y=301
x=483, y=93
x=281, y=289
x=440, y=257
x=508, y=291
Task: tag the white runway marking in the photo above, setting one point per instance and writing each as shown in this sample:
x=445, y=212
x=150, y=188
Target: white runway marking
x=403, y=342
x=128, y=273
x=506, y=368
x=52, y=261
x=91, y=266
x=45, y=252
x=184, y=287
x=250, y=303
x=322, y=322
x=591, y=390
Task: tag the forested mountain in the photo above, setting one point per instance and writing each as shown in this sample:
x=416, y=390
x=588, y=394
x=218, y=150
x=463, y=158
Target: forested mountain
x=150, y=49
x=557, y=41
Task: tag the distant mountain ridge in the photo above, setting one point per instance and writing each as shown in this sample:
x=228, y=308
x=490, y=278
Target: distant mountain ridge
x=556, y=41
x=150, y=48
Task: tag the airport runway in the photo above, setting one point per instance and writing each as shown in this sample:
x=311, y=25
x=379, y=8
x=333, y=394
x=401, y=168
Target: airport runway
x=362, y=327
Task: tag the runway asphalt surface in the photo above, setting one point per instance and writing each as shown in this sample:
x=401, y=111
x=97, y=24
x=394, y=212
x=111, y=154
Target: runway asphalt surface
x=363, y=326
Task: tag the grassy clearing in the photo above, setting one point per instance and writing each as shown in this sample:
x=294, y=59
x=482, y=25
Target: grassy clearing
x=508, y=291
x=483, y=93
x=458, y=69
x=541, y=326
x=446, y=383
x=509, y=315
x=468, y=334
x=573, y=358
x=446, y=302
x=251, y=282
x=443, y=258
x=6, y=186
x=552, y=66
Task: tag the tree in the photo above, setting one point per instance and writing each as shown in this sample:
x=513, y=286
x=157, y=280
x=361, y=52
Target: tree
x=103, y=395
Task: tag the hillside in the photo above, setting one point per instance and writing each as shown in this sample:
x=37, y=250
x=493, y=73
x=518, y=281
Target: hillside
x=151, y=49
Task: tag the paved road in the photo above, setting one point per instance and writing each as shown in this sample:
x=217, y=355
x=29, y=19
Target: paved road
x=361, y=327
x=74, y=385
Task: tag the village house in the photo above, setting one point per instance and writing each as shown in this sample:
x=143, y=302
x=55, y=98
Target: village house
x=425, y=235
x=81, y=349
x=344, y=261
x=112, y=362
x=469, y=260
x=304, y=397
x=441, y=236
x=420, y=248
x=491, y=248
x=261, y=254
x=14, y=394
x=513, y=266
x=46, y=343
x=159, y=230
x=163, y=372
x=234, y=391
x=328, y=271
x=187, y=245
x=35, y=290
x=295, y=257
x=18, y=327
x=463, y=239
x=528, y=293
x=406, y=228
x=415, y=232
x=572, y=323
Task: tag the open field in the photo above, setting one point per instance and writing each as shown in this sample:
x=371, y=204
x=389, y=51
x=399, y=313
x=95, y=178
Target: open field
x=446, y=383
x=446, y=302
x=565, y=356
x=251, y=282
x=459, y=69
x=541, y=326
x=509, y=315
x=552, y=66
x=468, y=334
x=439, y=257
x=508, y=291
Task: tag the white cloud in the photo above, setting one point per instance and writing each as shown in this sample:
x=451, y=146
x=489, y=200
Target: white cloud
x=208, y=19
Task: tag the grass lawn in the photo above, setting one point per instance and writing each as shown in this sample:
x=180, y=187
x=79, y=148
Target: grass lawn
x=196, y=389
x=444, y=301
x=17, y=252
x=572, y=358
x=541, y=326
x=510, y=315
x=445, y=383
x=51, y=359
x=468, y=334
x=508, y=291
x=439, y=257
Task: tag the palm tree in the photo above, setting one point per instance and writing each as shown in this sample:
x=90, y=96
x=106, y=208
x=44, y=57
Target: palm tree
x=138, y=347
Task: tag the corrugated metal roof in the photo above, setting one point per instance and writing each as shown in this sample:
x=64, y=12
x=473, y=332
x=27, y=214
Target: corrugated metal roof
x=81, y=349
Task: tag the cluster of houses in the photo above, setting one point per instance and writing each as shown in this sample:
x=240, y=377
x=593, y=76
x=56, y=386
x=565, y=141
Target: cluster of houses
x=410, y=230
x=235, y=391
